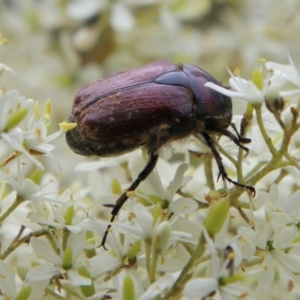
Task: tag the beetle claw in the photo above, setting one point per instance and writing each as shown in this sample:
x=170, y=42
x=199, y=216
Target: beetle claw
x=222, y=171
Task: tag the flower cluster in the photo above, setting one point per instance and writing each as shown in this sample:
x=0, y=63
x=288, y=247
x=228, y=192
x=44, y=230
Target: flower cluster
x=180, y=235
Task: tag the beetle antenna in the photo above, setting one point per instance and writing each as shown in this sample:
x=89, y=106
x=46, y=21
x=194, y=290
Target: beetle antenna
x=153, y=157
x=218, y=159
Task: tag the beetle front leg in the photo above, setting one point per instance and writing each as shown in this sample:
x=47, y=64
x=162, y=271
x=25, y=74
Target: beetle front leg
x=236, y=140
x=222, y=170
x=153, y=157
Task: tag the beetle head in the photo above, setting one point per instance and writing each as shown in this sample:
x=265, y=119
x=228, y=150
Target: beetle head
x=76, y=141
x=213, y=108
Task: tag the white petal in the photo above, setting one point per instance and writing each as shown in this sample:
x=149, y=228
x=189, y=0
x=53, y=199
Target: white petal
x=74, y=229
x=42, y=272
x=169, y=265
x=290, y=262
x=215, y=260
x=16, y=146
x=5, y=178
x=77, y=279
x=200, y=288
x=289, y=71
x=292, y=204
x=44, y=250
x=266, y=277
x=177, y=181
x=183, y=206
x=289, y=93
x=222, y=90
x=3, y=68
x=38, y=289
x=103, y=263
x=234, y=291
x=260, y=215
x=7, y=280
x=77, y=243
x=144, y=219
x=158, y=286
x=285, y=237
x=28, y=188
x=36, y=218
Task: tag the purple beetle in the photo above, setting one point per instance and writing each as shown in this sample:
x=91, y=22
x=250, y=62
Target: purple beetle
x=148, y=107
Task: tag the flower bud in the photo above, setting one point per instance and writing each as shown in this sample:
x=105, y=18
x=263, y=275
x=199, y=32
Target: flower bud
x=67, y=259
x=24, y=293
x=69, y=215
x=134, y=249
x=87, y=290
x=162, y=236
x=15, y=119
x=232, y=279
x=217, y=216
x=48, y=109
x=128, y=288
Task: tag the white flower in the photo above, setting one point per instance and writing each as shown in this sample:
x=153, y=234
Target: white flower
x=270, y=90
x=273, y=235
x=57, y=263
x=159, y=285
x=59, y=216
x=242, y=89
x=9, y=289
x=201, y=288
x=165, y=191
x=23, y=129
x=5, y=68
x=288, y=72
x=26, y=188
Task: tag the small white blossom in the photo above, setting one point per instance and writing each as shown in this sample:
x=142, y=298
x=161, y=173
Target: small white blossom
x=242, y=89
x=208, y=286
x=76, y=242
x=10, y=290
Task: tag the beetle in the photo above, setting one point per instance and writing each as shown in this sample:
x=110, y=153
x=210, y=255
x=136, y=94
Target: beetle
x=149, y=107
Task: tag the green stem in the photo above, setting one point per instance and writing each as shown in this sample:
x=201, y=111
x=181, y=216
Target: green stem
x=292, y=160
x=208, y=172
x=264, y=132
x=227, y=155
x=66, y=234
x=184, y=276
x=15, y=204
x=254, y=170
x=155, y=255
x=148, y=256
x=281, y=176
x=285, y=144
x=25, y=240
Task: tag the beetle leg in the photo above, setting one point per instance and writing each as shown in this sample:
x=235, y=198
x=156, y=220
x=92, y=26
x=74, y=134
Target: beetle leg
x=153, y=157
x=236, y=140
x=222, y=170
x=241, y=138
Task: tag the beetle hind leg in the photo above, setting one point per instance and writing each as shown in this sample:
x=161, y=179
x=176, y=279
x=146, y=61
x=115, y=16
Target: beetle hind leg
x=153, y=157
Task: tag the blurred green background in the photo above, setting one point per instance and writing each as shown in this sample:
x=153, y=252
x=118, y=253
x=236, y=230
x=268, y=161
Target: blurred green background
x=57, y=46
